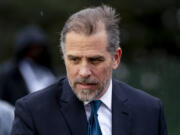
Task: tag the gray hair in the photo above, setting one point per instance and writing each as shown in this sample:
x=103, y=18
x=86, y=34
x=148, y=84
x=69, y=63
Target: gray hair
x=86, y=21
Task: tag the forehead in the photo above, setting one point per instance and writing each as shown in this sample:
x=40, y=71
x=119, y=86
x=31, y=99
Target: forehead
x=84, y=44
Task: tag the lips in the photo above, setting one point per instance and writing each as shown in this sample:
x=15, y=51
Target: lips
x=86, y=85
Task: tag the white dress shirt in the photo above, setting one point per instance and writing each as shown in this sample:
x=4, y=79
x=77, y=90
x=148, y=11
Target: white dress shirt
x=104, y=112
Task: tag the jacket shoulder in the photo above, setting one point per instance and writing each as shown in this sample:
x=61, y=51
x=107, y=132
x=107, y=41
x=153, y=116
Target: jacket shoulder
x=38, y=113
x=136, y=97
x=43, y=97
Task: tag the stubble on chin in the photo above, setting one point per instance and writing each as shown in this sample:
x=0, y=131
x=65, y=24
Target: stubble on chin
x=87, y=95
x=83, y=95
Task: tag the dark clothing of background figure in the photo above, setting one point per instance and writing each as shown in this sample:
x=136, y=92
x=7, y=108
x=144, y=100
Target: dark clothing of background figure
x=31, y=47
x=12, y=84
x=57, y=111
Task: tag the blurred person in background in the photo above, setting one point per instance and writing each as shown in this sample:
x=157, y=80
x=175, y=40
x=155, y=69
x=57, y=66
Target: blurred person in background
x=6, y=117
x=30, y=70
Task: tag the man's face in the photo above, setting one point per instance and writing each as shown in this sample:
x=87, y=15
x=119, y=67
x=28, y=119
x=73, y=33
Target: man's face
x=89, y=65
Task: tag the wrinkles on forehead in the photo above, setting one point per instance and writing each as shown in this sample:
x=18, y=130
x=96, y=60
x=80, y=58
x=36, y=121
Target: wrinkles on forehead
x=86, y=44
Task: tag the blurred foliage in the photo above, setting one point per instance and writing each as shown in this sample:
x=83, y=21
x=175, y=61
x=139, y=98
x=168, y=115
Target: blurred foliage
x=150, y=39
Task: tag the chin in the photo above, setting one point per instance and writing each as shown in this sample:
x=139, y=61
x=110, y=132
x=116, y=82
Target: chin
x=87, y=95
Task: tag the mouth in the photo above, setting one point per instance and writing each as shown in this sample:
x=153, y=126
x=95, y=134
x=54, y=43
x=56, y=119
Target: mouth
x=86, y=85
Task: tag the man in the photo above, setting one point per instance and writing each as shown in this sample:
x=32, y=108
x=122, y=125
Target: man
x=30, y=69
x=89, y=101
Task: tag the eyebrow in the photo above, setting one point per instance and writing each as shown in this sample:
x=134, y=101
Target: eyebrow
x=71, y=56
x=97, y=57
x=90, y=57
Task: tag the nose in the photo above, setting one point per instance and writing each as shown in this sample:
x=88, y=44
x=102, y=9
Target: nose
x=85, y=71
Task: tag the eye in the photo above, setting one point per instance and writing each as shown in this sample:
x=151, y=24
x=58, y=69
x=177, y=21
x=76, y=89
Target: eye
x=73, y=59
x=96, y=60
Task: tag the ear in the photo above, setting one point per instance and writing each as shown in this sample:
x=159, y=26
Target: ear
x=117, y=58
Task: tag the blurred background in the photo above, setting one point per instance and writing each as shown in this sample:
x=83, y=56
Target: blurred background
x=150, y=40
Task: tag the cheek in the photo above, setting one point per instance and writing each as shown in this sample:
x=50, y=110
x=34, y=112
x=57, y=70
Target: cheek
x=102, y=73
x=70, y=71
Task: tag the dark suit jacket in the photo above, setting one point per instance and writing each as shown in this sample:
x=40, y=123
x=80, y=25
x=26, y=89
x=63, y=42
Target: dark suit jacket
x=56, y=111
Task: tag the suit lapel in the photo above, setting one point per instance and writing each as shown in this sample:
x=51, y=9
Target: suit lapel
x=73, y=111
x=121, y=116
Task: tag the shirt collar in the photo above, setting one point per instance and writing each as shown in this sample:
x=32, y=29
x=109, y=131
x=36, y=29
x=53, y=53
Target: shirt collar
x=106, y=99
